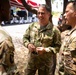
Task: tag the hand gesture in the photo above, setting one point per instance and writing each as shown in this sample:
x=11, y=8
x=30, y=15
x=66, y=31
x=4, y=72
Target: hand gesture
x=40, y=50
x=31, y=47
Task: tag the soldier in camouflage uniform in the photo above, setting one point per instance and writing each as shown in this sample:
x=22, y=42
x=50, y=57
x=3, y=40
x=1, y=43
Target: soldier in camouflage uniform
x=7, y=64
x=43, y=40
x=68, y=48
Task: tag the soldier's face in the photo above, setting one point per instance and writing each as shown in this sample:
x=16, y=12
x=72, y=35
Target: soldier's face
x=43, y=16
x=70, y=14
x=4, y=10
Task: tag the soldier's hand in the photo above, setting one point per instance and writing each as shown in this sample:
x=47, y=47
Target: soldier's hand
x=31, y=47
x=40, y=50
x=1, y=69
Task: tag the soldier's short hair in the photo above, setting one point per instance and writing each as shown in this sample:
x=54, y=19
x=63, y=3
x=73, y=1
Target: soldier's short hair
x=74, y=4
x=46, y=6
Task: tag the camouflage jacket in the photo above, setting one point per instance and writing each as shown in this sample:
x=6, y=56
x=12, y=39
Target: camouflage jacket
x=48, y=37
x=6, y=51
x=68, y=61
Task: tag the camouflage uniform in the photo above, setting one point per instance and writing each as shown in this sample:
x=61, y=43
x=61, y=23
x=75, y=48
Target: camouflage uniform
x=68, y=61
x=6, y=54
x=48, y=37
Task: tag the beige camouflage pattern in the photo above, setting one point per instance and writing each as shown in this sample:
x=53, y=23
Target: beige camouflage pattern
x=6, y=54
x=48, y=37
x=68, y=61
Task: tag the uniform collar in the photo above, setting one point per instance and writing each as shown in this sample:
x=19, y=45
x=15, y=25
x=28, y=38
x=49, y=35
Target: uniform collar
x=72, y=30
x=47, y=27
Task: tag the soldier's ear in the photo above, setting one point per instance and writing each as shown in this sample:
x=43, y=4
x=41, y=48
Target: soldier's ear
x=75, y=14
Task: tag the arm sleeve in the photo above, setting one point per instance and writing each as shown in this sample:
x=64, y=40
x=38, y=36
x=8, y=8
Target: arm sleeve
x=26, y=36
x=72, y=47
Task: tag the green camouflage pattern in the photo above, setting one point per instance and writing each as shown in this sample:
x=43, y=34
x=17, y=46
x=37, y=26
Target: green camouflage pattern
x=67, y=62
x=6, y=53
x=48, y=37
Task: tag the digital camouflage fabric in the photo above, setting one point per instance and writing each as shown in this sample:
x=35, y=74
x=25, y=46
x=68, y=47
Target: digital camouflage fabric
x=68, y=61
x=6, y=53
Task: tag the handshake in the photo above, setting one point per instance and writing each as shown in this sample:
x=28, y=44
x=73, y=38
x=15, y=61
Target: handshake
x=36, y=50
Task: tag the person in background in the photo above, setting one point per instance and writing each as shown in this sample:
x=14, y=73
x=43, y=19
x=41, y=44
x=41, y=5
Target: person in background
x=43, y=41
x=67, y=60
x=7, y=65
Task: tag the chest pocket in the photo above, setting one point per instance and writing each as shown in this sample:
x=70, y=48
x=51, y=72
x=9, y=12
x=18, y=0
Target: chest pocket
x=33, y=34
x=47, y=39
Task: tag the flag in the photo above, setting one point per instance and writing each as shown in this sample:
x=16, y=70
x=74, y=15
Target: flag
x=32, y=3
x=14, y=3
x=18, y=3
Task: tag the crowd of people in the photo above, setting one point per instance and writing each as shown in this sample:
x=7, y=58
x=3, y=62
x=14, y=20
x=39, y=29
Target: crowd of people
x=20, y=17
x=44, y=41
